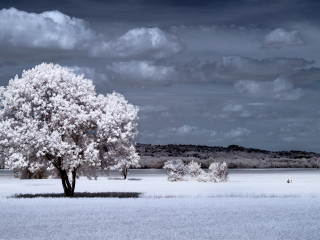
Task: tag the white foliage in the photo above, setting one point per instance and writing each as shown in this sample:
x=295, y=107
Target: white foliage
x=36, y=170
x=125, y=163
x=51, y=116
x=195, y=169
x=205, y=177
x=219, y=171
x=175, y=169
x=197, y=174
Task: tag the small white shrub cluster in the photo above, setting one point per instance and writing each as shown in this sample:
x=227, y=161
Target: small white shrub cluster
x=175, y=169
x=218, y=172
x=197, y=174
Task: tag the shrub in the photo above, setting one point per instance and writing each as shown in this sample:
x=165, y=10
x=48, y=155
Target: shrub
x=197, y=173
x=175, y=169
x=195, y=169
x=219, y=171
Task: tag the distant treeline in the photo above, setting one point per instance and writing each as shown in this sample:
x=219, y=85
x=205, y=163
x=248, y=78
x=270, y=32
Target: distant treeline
x=153, y=156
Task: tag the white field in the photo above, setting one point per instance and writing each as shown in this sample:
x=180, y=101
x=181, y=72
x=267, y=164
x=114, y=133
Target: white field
x=254, y=204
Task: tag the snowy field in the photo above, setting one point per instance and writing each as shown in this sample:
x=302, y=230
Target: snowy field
x=254, y=204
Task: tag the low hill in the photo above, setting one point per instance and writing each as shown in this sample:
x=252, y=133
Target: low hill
x=153, y=156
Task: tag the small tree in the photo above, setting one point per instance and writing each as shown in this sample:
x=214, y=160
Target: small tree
x=175, y=169
x=124, y=164
x=50, y=116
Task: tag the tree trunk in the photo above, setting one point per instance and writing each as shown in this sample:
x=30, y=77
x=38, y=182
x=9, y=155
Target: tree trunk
x=67, y=187
x=125, y=172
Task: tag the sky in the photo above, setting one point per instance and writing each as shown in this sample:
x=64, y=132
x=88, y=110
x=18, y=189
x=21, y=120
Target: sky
x=213, y=73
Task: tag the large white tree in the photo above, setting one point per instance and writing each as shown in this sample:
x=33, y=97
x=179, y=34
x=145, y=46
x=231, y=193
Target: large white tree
x=50, y=116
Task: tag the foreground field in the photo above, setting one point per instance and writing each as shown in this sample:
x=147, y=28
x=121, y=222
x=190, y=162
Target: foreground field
x=254, y=204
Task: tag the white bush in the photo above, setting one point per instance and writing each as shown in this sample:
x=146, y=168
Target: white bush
x=195, y=169
x=196, y=173
x=175, y=169
x=205, y=177
x=219, y=171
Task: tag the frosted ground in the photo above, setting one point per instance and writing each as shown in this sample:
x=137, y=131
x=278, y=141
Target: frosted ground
x=254, y=204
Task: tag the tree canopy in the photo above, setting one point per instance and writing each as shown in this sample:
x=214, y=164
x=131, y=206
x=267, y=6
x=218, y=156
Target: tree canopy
x=51, y=117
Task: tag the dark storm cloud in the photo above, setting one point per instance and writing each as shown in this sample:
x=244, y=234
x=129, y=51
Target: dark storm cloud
x=306, y=75
x=166, y=13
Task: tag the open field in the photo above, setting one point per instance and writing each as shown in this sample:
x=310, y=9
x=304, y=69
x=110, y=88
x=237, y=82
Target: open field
x=254, y=204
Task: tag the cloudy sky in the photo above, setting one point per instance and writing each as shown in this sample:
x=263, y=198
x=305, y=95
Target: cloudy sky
x=215, y=73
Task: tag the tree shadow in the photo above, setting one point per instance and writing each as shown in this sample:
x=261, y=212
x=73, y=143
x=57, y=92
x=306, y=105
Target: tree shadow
x=115, y=178
x=134, y=179
x=130, y=179
x=80, y=195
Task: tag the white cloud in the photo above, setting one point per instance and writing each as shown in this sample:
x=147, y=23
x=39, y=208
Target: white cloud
x=213, y=133
x=232, y=68
x=187, y=132
x=218, y=40
x=141, y=41
x=46, y=30
x=256, y=104
x=237, y=133
x=233, y=108
x=185, y=129
x=141, y=73
x=167, y=116
x=288, y=139
x=280, y=38
x=229, y=68
x=277, y=89
x=150, y=108
x=90, y=73
x=55, y=30
x=246, y=114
